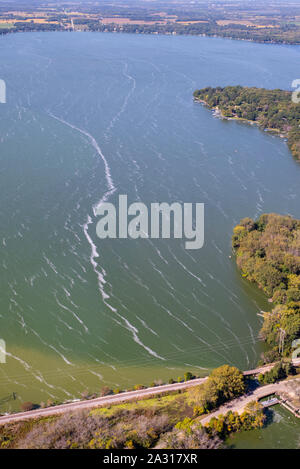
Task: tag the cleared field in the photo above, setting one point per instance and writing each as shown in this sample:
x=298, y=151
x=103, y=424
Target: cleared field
x=244, y=23
x=191, y=22
x=128, y=21
x=36, y=21
x=5, y=25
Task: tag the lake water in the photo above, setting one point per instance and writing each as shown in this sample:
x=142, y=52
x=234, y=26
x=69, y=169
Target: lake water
x=84, y=107
x=282, y=430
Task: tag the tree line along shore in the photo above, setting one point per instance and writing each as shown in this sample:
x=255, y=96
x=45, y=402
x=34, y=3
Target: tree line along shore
x=268, y=249
x=289, y=34
x=272, y=110
x=164, y=421
x=268, y=254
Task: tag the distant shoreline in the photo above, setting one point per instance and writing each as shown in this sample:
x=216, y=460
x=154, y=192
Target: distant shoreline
x=149, y=33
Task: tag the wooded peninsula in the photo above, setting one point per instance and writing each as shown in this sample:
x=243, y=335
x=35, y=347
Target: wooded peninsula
x=272, y=110
x=268, y=253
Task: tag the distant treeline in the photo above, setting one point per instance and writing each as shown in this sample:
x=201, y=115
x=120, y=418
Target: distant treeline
x=31, y=27
x=270, y=109
x=289, y=34
x=286, y=34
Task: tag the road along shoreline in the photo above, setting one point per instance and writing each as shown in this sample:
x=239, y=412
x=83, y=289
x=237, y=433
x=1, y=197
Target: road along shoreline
x=124, y=397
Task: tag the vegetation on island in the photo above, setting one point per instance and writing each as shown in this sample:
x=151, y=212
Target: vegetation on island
x=268, y=253
x=272, y=110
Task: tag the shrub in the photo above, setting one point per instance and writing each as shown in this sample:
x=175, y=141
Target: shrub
x=26, y=406
x=223, y=425
x=85, y=394
x=188, y=435
x=137, y=387
x=125, y=429
x=188, y=376
x=105, y=391
x=278, y=372
x=158, y=382
x=198, y=410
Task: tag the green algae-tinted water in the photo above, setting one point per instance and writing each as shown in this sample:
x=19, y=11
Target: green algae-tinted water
x=282, y=431
x=87, y=112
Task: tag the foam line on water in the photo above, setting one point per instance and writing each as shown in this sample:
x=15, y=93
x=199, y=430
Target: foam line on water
x=94, y=253
x=124, y=105
x=111, y=189
x=72, y=312
x=110, y=183
x=187, y=270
